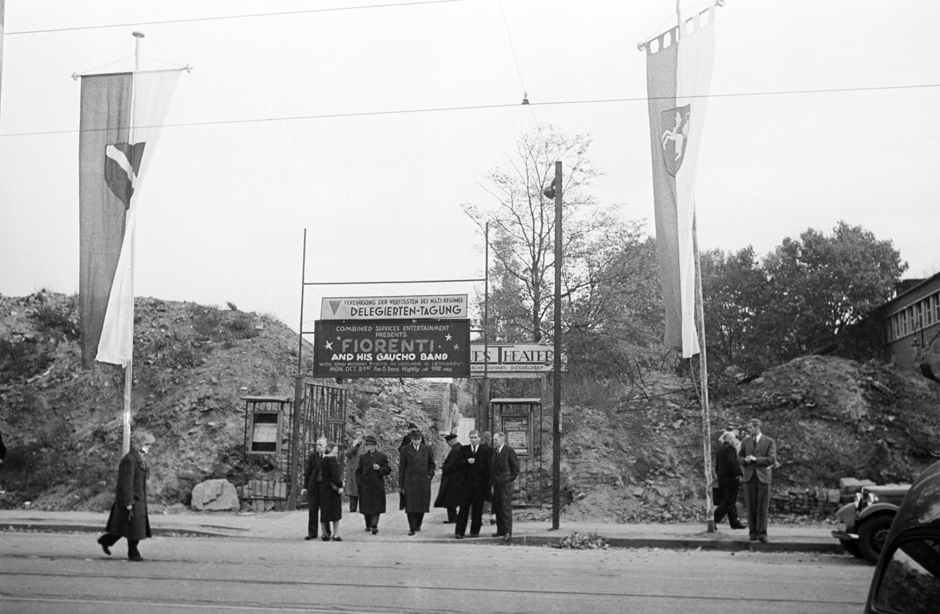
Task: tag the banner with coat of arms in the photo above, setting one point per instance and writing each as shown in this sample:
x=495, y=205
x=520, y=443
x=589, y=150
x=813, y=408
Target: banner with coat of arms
x=121, y=115
x=678, y=73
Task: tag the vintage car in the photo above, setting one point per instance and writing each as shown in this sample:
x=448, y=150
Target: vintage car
x=865, y=521
x=907, y=578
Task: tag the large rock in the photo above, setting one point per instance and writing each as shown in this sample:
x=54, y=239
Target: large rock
x=215, y=496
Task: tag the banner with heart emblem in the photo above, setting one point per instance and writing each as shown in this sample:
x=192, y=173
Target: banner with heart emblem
x=121, y=114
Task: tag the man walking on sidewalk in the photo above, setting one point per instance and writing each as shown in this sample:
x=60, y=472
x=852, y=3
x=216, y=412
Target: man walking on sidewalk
x=505, y=468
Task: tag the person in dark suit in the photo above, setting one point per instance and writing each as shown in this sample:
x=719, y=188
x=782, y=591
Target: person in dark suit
x=760, y=455
x=312, y=478
x=505, y=468
x=452, y=477
x=128, y=517
x=371, y=472
x=415, y=470
x=728, y=469
x=475, y=459
x=331, y=493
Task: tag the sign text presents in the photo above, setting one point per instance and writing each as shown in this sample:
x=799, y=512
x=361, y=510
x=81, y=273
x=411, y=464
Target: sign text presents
x=390, y=348
x=445, y=306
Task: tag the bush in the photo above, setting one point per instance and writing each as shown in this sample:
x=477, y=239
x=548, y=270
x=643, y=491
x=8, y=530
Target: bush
x=58, y=320
x=22, y=359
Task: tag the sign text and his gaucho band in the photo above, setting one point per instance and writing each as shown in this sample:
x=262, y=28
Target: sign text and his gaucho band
x=391, y=348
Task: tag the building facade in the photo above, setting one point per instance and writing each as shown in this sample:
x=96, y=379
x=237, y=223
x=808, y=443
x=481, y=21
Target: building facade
x=911, y=322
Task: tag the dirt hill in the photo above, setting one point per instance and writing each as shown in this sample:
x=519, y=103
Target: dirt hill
x=631, y=452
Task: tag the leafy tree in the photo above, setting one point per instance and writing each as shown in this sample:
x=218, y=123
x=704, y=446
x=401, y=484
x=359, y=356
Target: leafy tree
x=734, y=287
x=823, y=284
x=807, y=293
x=522, y=231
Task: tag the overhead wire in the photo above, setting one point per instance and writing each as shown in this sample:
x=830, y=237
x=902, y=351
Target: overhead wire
x=502, y=106
x=229, y=17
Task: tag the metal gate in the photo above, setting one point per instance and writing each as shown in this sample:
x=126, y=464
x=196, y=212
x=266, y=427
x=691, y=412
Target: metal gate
x=322, y=413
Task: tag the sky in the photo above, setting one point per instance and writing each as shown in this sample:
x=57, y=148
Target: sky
x=369, y=124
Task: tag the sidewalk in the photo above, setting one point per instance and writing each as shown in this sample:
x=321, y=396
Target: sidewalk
x=393, y=527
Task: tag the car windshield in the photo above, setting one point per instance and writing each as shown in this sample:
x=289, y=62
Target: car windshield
x=910, y=583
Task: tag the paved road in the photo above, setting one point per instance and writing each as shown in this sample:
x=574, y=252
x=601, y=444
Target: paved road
x=68, y=573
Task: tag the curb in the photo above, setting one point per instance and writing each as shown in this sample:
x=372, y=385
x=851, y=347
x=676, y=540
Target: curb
x=46, y=527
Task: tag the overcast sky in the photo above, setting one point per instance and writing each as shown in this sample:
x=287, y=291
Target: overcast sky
x=370, y=126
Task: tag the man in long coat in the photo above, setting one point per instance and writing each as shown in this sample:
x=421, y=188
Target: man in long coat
x=371, y=472
x=503, y=472
x=760, y=455
x=311, y=488
x=728, y=469
x=415, y=470
x=475, y=459
x=452, y=479
x=352, y=463
x=128, y=518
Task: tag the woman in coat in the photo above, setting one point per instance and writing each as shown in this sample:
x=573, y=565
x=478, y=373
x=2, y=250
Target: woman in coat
x=352, y=463
x=373, y=467
x=128, y=517
x=331, y=493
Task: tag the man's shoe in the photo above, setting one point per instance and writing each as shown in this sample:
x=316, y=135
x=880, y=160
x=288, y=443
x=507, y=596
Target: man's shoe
x=448, y=522
x=498, y=534
x=337, y=539
x=753, y=538
x=104, y=546
x=739, y=526
x=458, y=536
x=763, y=539
x=325, y=538
x=474, y=535
x=375, y=531
x=417, y=528
x=135, y=557
x=309, y=537
x=411, y=532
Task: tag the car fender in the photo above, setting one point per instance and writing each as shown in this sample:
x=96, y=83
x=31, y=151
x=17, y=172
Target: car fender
x=846, y=514
x=876, y=508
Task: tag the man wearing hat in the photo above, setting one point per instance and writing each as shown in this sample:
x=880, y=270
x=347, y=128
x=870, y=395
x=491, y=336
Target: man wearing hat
x=406, y=440
x=415, y=470
x=370, y=474
x=452, y=479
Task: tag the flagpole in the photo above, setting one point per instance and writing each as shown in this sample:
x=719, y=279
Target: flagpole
x=703, y=377
x=129, y=368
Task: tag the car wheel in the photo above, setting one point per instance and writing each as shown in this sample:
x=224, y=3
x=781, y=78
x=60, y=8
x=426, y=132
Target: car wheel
x=872, y=535
x=851, y=546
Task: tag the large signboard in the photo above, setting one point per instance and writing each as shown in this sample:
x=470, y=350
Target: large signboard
x=391, y=348
x=449, y=306
x=517, y=360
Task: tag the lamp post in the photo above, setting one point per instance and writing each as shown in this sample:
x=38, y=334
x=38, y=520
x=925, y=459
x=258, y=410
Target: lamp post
x=555, y=191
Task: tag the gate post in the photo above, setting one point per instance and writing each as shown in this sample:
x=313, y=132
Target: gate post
x=295, y=461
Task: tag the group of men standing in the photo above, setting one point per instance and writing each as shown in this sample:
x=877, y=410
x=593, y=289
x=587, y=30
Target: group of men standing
x=471, y=475
x=474, y=474
x=752, y=462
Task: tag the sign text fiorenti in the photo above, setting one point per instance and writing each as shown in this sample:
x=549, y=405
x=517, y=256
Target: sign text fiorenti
x=392, y=348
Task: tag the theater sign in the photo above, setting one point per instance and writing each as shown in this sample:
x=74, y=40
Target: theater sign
x=511, y=360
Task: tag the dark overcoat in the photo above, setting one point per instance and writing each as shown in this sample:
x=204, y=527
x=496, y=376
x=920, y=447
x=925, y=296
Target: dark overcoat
x=415, y=470
x=312, y=470
x=131, y=490
x=372, y=482
x=476, y=486
x=727, y=466
x=453, y=475
x=331, y=502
